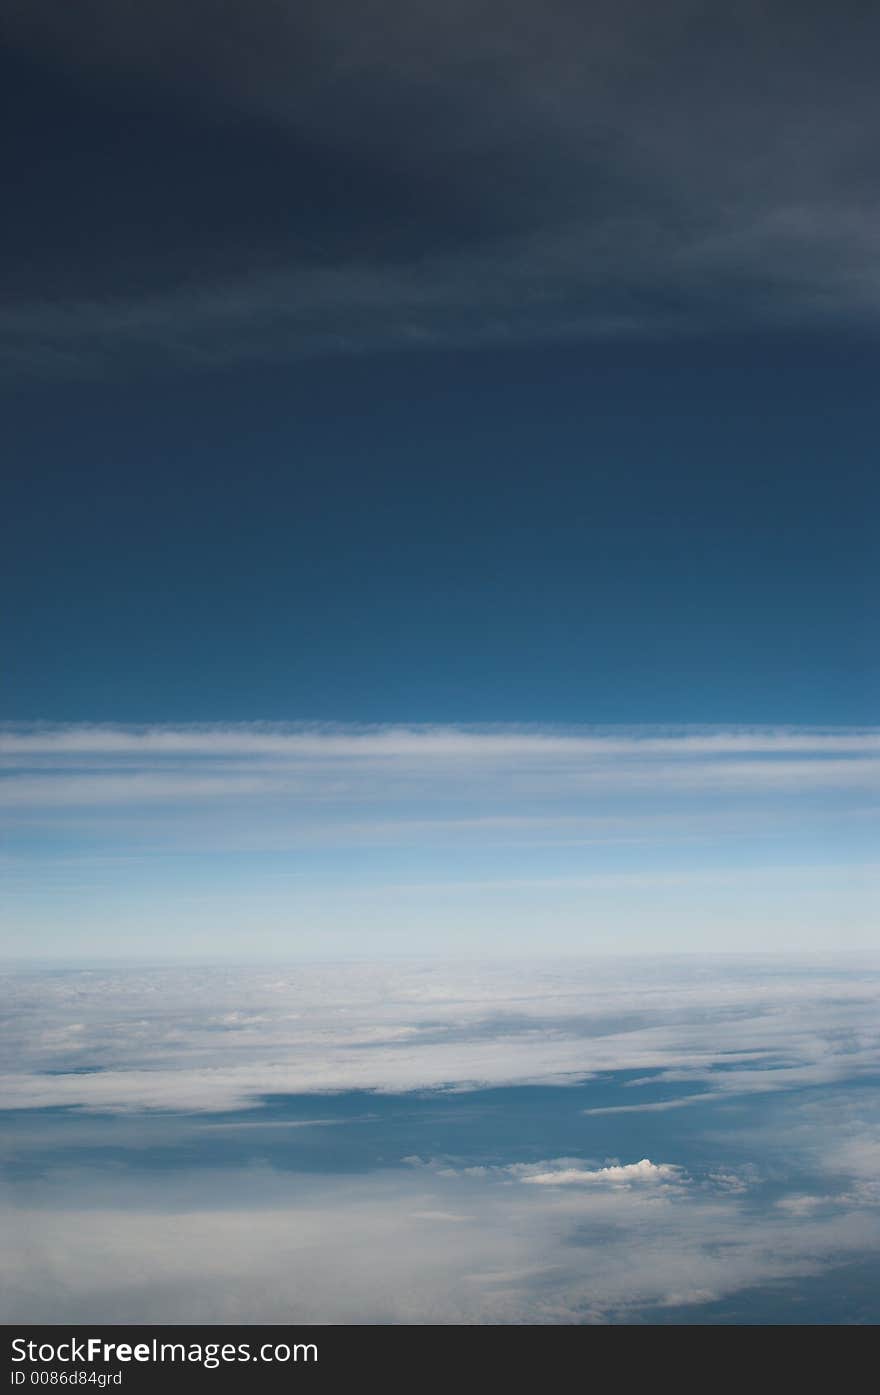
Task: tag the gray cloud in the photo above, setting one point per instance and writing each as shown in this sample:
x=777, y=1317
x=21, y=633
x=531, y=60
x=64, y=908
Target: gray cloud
x=619, y=168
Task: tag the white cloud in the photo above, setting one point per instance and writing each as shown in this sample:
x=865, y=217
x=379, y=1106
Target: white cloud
x=643, y=1172
x=801, y=1205
x=215, y=1038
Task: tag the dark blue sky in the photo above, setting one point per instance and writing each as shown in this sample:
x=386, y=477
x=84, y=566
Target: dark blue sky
x=348, y=376
x=582, y=534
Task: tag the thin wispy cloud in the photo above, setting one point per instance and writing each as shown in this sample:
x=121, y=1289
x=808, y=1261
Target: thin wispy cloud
x=257, y=739
x=412, y=834
x=198, y=762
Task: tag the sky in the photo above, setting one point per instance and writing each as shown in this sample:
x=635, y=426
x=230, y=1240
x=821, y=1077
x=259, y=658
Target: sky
x=496, y=376
x=439, y=741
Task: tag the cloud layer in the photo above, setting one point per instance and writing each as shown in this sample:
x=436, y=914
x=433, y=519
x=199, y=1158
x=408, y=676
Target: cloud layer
x=213, y=1038
x=178, y=1144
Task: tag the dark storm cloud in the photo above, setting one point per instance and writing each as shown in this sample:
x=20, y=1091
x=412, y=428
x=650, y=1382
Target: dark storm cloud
x=402, y=174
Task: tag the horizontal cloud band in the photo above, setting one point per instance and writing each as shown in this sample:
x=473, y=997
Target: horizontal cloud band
x=75, y=765
x=491, y=741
